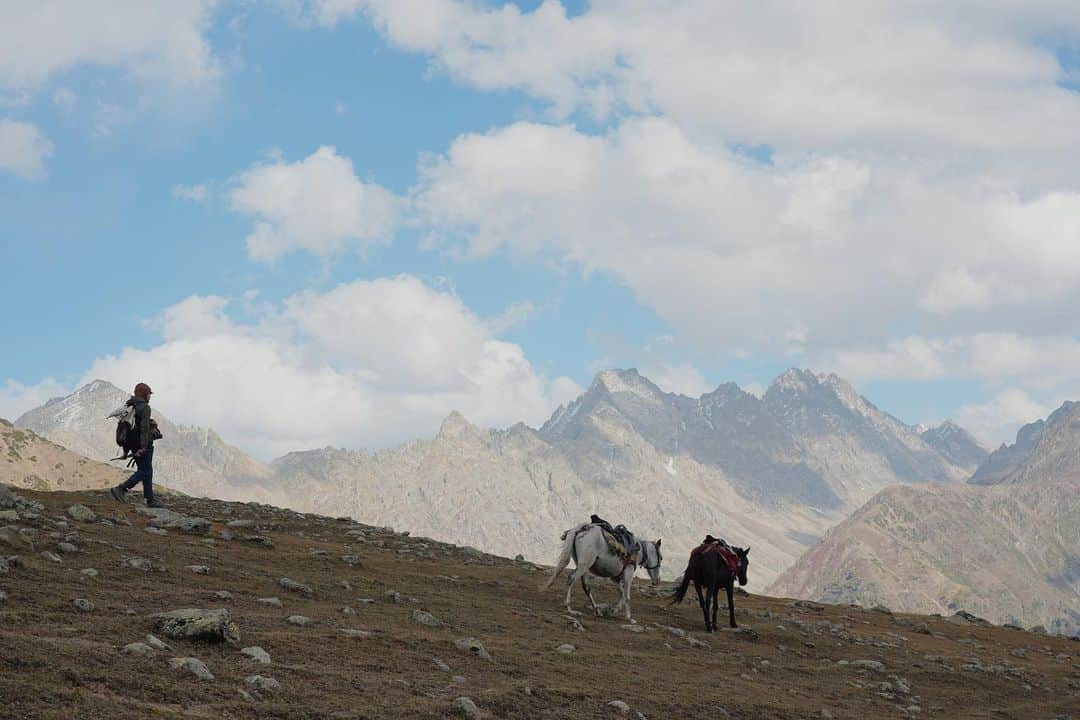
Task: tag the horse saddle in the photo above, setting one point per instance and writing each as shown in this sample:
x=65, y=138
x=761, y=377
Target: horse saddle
x=620, y=540
x=721, y=548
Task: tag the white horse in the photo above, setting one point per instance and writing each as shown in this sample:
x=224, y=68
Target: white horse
x=586, y=545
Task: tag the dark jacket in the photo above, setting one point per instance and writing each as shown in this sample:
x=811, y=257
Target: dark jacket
x=142, y=421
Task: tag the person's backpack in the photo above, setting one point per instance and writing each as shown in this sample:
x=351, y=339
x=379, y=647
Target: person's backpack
x=127, y=431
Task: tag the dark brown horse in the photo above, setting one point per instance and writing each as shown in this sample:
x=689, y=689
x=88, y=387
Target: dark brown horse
x=714, y=564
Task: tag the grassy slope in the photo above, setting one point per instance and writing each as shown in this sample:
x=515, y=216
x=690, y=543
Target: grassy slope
x=57, y=663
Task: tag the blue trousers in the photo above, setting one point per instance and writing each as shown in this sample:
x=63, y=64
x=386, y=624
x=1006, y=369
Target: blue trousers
x=144, y=473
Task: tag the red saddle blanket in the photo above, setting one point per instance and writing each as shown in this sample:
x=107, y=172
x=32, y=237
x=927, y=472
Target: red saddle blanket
x=726, y=554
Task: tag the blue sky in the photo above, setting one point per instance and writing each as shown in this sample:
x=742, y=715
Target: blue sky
x=558, y=183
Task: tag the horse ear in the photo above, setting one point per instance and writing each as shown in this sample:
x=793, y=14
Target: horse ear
x=746, y=551
x=658, y=542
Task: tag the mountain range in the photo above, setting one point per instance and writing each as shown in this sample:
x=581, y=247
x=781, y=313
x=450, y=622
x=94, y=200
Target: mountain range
x=773, y=472
x=1005, y=546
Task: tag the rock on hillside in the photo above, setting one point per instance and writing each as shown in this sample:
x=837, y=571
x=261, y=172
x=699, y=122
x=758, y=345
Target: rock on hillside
x=30, y=461
x=510, y=650
x=1010, y=552
x=190, y=459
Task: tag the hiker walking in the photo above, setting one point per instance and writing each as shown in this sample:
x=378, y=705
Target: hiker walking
x=147, y=432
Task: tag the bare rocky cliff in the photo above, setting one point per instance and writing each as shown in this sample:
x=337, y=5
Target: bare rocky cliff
x=1009, y=552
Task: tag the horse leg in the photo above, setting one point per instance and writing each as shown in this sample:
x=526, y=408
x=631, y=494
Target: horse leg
x=588, y=593
x=715, y=591
x=583, y=563
x=731, y=602
x=703, y=604
x=624, y=585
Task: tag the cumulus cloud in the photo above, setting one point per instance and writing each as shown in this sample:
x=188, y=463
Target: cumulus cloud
x=366, y=364
x=23, y=149
x=997, y=420
x=152, y=40
x=16, y=398
x=862, y=73
x=740, y=255
x=316, y=204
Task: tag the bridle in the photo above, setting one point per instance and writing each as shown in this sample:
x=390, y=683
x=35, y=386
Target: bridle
x=645, y=557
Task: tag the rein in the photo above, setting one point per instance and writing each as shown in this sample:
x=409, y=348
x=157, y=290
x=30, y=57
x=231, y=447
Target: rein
x=645, y=556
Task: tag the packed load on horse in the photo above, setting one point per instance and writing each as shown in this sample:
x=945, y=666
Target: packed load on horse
x=614, y=553
x=714, y=564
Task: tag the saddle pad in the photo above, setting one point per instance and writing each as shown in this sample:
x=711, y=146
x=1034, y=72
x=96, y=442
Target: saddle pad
x=728, y=556
x=616, y=546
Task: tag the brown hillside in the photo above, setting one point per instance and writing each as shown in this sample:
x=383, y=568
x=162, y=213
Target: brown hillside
x=799, y=660
x=28, y=460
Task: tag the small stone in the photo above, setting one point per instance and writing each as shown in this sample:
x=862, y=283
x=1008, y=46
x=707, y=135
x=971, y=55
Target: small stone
x=276, y=602
x=1019, y=652
x=192, y=665
x=153, y=642
x=257, y=654
x=155, y=530
x=89, y=572
x=137, y=648
x=9, y=516
x=473, y=646
x=262, y=685
x=223, y=595
x=425, y=618
x=440, y=664
x=296, y=586
x=3, y=596
x=869, y=665
x=137, y=563
x=51, y=556
x=240, y=523
x=81, y=513
x=299, y=620
x=351, y=560
x=353, y=633
x=83, y=605
x=66, y=547
x=882, y=609
x=199, y=569
x=260, y=540
x=465, y=706
x=566, y=649
x=393, y=596
x=620, y=707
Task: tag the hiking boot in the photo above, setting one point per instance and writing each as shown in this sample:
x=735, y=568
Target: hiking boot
x=117, y=494
x=153, y=504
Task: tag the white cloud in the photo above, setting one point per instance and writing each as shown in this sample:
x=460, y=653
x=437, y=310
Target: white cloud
x=731, y=252
x=153, y=40
x=316, y=204
x=367, y=364
x=16, y=398
x=193, y=193
x=339, y=108
x=514, y=316
x=23, y=149
x=997, y=420
x=792, y=74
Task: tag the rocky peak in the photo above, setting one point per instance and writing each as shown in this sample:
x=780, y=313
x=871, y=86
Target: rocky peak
x=955, y=443
x=456, y=426
x=1007, y=459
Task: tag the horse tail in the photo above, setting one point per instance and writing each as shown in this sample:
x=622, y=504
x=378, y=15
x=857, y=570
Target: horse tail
x=568, y=538
x=680, y=592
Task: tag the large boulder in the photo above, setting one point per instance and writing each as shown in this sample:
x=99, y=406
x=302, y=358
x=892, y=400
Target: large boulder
x=198, y=624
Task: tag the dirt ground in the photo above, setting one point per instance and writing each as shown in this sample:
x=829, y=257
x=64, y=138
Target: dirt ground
x=790, y=661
